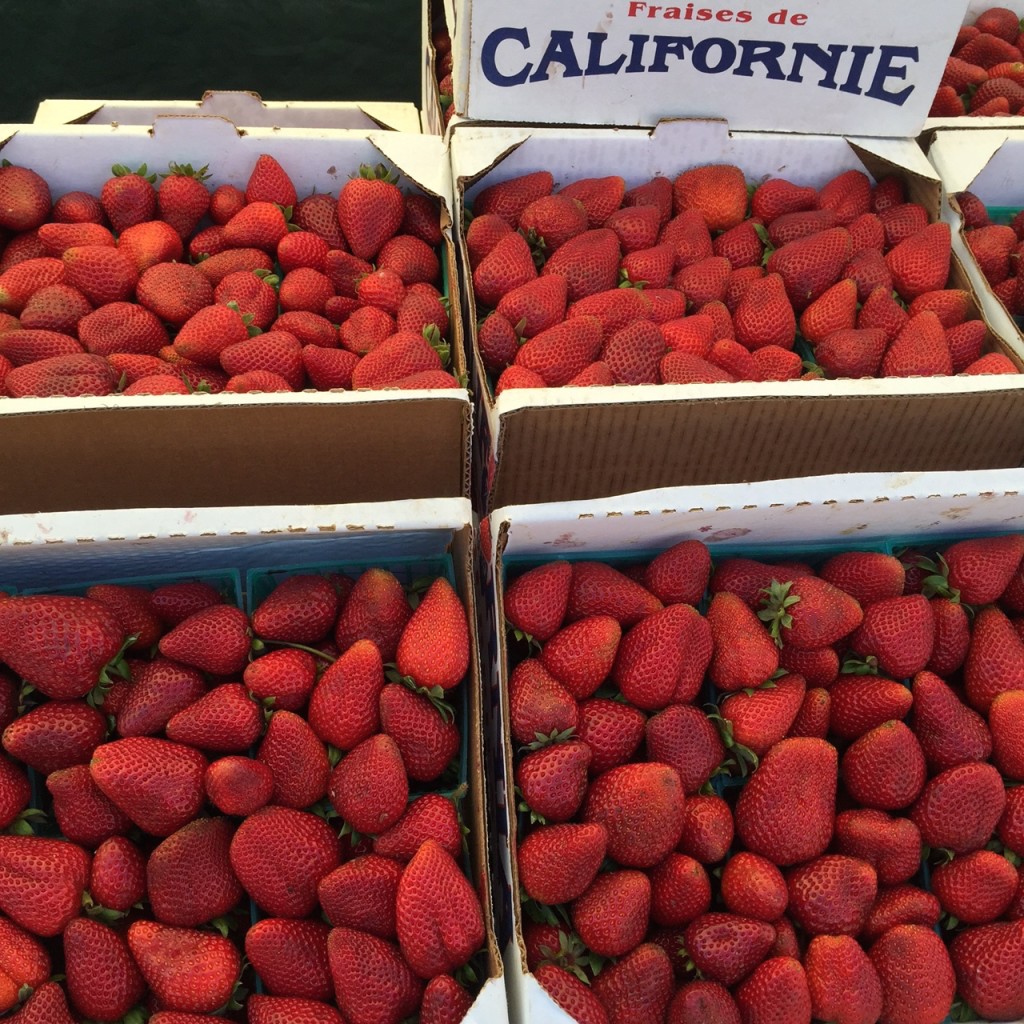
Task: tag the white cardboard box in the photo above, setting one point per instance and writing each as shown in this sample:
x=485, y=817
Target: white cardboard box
x=556, y=444
x=244, y=109
x=869, y=68
x=752, y=518
x=61, y=454
x=990, y=164
x=57, y=549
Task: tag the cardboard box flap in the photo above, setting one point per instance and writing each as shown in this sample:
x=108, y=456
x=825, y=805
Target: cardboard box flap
x=961, y=157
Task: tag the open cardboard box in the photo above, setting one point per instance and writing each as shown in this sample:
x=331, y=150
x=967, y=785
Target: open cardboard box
x=561, y=444
x=316, y=447
x=989, y=164
x=870, y=68
x=935, y=124
x=785, y=516
x=45, y=551
x=245, y=109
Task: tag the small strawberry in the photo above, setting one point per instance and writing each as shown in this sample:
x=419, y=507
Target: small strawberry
x=900, y=904
x=24, y=198
x=433, y=648
x=757, y=719
x=318, y=213
x=230, y=260
x=754, y=887
x=831, y=895
x=25, y=963
x=305, y=289
x=182, y=199
x=128, y=197
x=369, y=787
x=744, y=653
x=557, y=863
x=215, y=640
x=885, y=768
x=55, y=735
x=775, y=989
x=223, y=720
x=976, y=888
x=717, y=191
x=727, y=947
x=920, y=263
x=508, y=199
x=175, y=292
x=269, y=183
x=118, y=875
x=982, y=959
x=377, y=610
x=613, y=731
x=1004, y=719
x=960, y=807
x=429, y=816
x=892, y=846
x=860, y=703
x=100, y=273
x=83, y=813
x=765, y=315
x=238, y=785
x=899, y=632
x=258, y=225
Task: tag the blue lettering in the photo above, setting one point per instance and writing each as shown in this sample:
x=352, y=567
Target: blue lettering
x=669, y=46
x=488, y=56
x=594, y=65
x=725, y=59
x=766, y=53
x=559, y=51
x=636, y=54
x=860, y=56
x=885, y=70
x=828, y=62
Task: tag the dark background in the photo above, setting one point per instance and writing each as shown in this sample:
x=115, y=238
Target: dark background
x=177, y=49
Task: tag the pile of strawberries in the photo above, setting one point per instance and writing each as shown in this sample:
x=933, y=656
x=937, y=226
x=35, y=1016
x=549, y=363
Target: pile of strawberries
x=701, y=278
x=177, y=287
x=984, y=75
x=834, y=834
x=231, y=796
x=997, y=248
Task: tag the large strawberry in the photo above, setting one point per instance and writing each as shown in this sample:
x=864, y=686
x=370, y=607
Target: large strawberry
x=976, y=888
x=25, y=961
x=41, y=882
x=186, y=970
x=370, y=210
x=553, y=779
x=892, y=846
x=916, y=975
x=291, y=957
x=557, y=863
x=885, y=768
x=377, y=610
x=283, y=1010
x=681, y=736
x=369, y=787
x=215, y=640
x=300, y=609
x=83, y=813
x=536, y=601
x=983, y=959
x=572, y=995
x=46, y=1005
x=361, y=894
x=638, y=987
x=433, y=648
x=61, y=645
x=809, y=612
x=55, y=735
x=726, y=947
x=920, y=263
x=758, y=718
x=581, y=654
x=102, y=979
x=238, y=785
x=117, y=879
x=297, y=759
x=24, y=198
x=744, y=653
x=775, y=990
x=612, y=916
x=372, y=982
x=995, y=659
x=960, y=807
x=831, y=895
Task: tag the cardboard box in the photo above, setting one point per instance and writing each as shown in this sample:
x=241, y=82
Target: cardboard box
x=787, y=516
x=244, y=109
x=54, y=550
x=987, y=163
x=869, y=69
x=317, y=447
x=561, y=444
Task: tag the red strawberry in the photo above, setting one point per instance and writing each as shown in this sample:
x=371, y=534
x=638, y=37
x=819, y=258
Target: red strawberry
x=434, y=645
x=982, y=959
x=809, y=613
x=834, y=310
x=764, y=315
x=727, y=947
x=765, y=814
x=866, y=576
x=916, y=975
x=707, y=828
x=305, y=290
x=902, y=221
x=638, y=987
x=952, y=636
x=412, y=259
x=881, y=310
x=26, y=963
x=550, y=221
x=186, y=970
x=297, y=759
x=611, y=917
x=24, y=198
x=214, y=640
x=429, y=816
x=343, y=707
x=744, y=653
x=589, y=262
x=102, y=274
x=813, y=717
x=41, y=882
x=175, y=292
x=291, y=957
x=581, y=655
x=960, y=807
x=182, y=199
x=776, y=990
x=508, y=199
x=919, y=350
x=376, y=610
x=900, y=904
x=613, y=731
x=424, y=732
x=285, y=1010
x=885, y=768
x=84, y=814
x=372, y=981
x=633, y=353
x=682, y=737
x=16, y=791
x=318, y=213
x=238, y=785
x=46, y=1005
x=809, y=266
x=369, y=787
x=832, y=895
x=986, y=50
x=54, y=735
x=122, y=327
x=269, y=183
x=57, y=238
x=557, y=863
x=600, y=197
x=599, y=589
x=60, y=645
x=224, y=720
x=539, y=706
x=32, y=346
x=327, y=368
x=279, y=855
x=128, y=197
x=301, y=609
x=77, y=208
x=58, y=307
x=966, y=343
x=995, y=659
x=102, y=979
x=1004, y=719
x=370, y=210
x=252, y=293
x=399, y=356
x=843, y=983
x=717, y=191
x=149, y=243
x=361, y=894
x=820, y=668
x=754, y=887
x=981, y=569
x=920, y=263
x=759, y=718
x=231, y=260
x=159, y=690
x=976, y=888
x=899, y=632
x=553, y=779
x=789, y=227
x=860, y=703
x=777, y=196
x=680, y=574
x=118, y=876
x=571, y=994
x=892, y=846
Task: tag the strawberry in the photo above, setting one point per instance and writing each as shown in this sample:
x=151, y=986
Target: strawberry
x=679, y=574
x=966, y=343
x=369, y=787
x=832, y=895
x=981, y=958
x=426, y=736
x=287, y=1010
x=519, y=377
x=981, y=569
x=637, y=227
x=881, y=310
x=508, y=199
x=1004, y=719
x=616, y=308
x=55, y=735
x=361, y=894
x=269, y=183
x=680, y=891
x=599, y=589
x=258, y=225
x=571, y=994
x=41, y=882
x=792, y=226
x=224, y=720
x=919, y=350
x=637, y=800
x=305, y=289
x=717, y=191
x=372, y=981
x=834, y=310
x=422, y=308
x=987, y=50
x=809, y=613
x=370, y=210
x=175, y=292
x=302, y=609
x=77, y=208
x=100, y=273
x=24, y=198
x=951, y=305
x=102, y=979
x=553, y=779
x=433, y=648
x=991, y=362
x=972, y=209
x=867, y=233
x=238, y=785
x=613, y=731
x=589, y=262
x=343, y=707
x=885, y=768
x=920, y=263
x=439, y=919
x=703, y=281
x=297, y=759
x=175, y=602
x=860, y=703
x=156, y=783
x=600, y=197
x=754, y=887
x=843, y=983
x=892, y=846
x=611, y=917
x=757, y=719
x=744, y=653
x=900, y=904
x=279, y=855
x=483, y=234
x=214, y=639
x=128, y=197
x=960, y=807
x=186, y=970
x=995, y=659
x=31, y=346
x=118, y=875
x=207, y=242
x=376, y=610
x=867, y=576
x=254, y=294
x=764, y=315
x=820, y=668
x=16, y=791
x=638, y=987
x=396, y=357
x=902, y=221
x=764, y=813
x=365, y=329
x=689, y=237
x=656, y=192
x=122, y=327
x=318, y=213
x=429, y=816
x=976, y=888
x=848, y=194
x=536, y=602
x=58, y=307
x=182, y=199
x=741, y=246
x=682, y=737
x=775, y=990
x=309, y=328
x=46, y=1005
x=809, y=266
x=159, y=690
x=84, y=814
x=231, y=260
x=557, y=863
x=634, y=352
x=777, y=196
x=61, y=645
x=727, y=947
x=412, y=259
x=707, y=828
x=813, y=717
x=291, y=957
x=899, y=632
x=57, y=238
x=916, y=975
x=550, y=221
x=952, y=636
x=149, y=243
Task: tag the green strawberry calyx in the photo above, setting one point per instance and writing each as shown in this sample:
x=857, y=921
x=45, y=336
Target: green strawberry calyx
x=22, y=824
x=175, y=170
x=435, y=694
x=259, y=644
x=378, y=172
x=742, y=759
x=542, y=740
x=776, y=611
x=936, y=583
x=120, y=171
